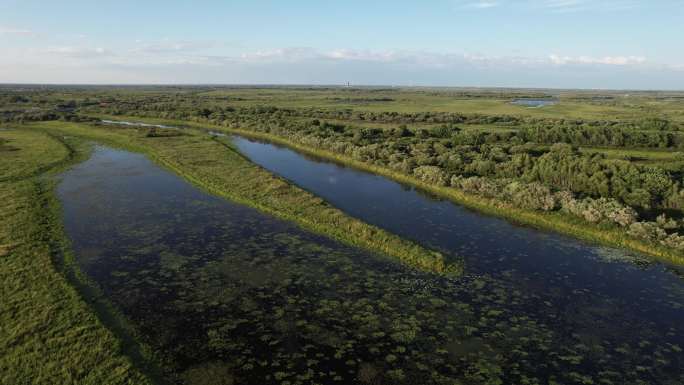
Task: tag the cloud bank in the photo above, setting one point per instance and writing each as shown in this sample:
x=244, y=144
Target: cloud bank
x=190, y=62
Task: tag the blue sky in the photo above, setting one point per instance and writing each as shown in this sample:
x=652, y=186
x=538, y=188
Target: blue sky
x=502, y=43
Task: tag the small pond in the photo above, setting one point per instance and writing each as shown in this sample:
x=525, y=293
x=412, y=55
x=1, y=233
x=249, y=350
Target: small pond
x=535, y=103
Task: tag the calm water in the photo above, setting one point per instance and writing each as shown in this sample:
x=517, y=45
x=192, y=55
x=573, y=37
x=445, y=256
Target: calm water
x=534, y=102
x=230, y=295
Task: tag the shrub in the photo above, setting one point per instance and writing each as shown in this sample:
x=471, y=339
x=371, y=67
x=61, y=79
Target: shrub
x=598, y=210
x=477, y=185
x=666, y=223
x=431, y=174
x=649, y=231
x=533, y=196
x=674, y=241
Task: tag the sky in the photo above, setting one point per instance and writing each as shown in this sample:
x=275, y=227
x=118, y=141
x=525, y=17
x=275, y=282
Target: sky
x=609, y=44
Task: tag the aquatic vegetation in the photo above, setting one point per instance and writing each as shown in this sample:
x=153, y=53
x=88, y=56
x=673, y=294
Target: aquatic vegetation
x=231, y=294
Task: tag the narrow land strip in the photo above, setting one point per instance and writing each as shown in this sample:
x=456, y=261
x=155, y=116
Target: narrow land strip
x=48, y=333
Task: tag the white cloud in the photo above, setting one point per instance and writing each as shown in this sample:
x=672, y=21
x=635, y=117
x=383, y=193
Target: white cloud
x=361, y=55
x=563, y=6
x=432, y=59
x=484, y=4
x=288, y=54
x=15, y=31
x=605, y=60
x=190, y=53
x=477, y=4
x=167, y=46
x=78, y=52
x=80, y=63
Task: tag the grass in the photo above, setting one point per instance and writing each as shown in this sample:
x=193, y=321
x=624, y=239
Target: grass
x=497, y=102
x=556, y=221
x=27, y=154
x=216, y=166
x=662, y=158
x=416, y=126
x=638, y=155
x=48, y=333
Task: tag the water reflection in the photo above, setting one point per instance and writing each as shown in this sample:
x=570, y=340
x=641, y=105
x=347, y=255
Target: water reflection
x=535, y=102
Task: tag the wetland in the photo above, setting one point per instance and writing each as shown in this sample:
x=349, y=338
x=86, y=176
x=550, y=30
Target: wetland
x=226, y=292
x=406, y=236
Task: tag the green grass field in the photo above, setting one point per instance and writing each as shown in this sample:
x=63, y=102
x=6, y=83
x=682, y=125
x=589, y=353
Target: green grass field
x=624, y=105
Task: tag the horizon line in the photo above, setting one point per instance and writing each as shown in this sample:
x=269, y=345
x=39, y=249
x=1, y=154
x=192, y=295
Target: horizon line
x=335, y=85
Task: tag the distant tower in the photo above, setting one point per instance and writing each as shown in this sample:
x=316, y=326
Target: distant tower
x=348, y=85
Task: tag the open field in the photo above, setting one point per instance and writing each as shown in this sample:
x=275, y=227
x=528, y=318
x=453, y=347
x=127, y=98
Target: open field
x=621, y=105
x=598, y=105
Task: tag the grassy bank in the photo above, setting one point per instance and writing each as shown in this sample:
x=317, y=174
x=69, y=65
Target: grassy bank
x=48, y=333
x=556, y=221
x=214, y=165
